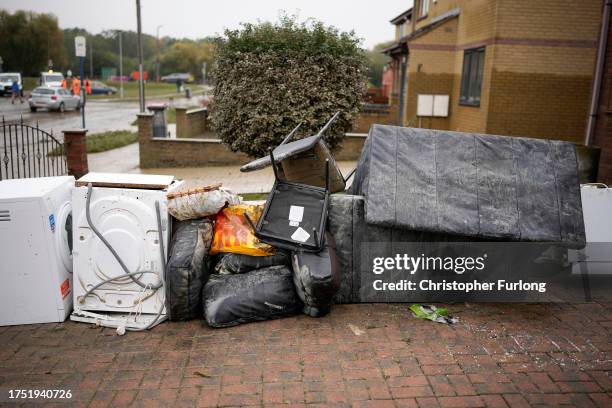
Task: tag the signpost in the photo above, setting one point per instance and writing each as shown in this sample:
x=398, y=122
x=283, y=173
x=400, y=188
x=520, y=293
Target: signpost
x=80, y=50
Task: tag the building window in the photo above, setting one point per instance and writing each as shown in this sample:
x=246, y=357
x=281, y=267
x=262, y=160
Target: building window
x=402, y=29
x=471, y=77
x=423, y=8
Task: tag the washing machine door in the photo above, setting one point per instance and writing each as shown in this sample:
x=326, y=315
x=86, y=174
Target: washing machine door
x=63, y=236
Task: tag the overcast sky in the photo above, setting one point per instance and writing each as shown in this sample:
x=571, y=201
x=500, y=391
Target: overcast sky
x=194, y=19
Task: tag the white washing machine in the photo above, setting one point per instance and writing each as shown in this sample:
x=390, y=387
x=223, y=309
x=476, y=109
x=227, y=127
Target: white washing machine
x=127, y=218
x=35, y=250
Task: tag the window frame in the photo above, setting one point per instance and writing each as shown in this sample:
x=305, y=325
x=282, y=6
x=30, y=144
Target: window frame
x=470, y=90
x=423, y=8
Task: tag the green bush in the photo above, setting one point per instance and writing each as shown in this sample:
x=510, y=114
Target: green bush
x=271, y=76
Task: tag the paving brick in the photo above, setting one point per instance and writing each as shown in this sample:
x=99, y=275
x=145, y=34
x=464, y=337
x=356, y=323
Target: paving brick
x=494, y=401
x=326, y=364
x=516, y=401
x=428, y=402
x=467, y=401
x=601, y=399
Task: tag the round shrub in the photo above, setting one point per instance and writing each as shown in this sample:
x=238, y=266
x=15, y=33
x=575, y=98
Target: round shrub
x=271, y=76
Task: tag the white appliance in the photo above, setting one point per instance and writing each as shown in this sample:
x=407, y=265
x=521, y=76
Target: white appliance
x=127, y=218
x=35, y=250
x=596, y=257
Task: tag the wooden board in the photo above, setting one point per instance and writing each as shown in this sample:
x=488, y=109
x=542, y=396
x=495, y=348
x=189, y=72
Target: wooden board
x=118, y=180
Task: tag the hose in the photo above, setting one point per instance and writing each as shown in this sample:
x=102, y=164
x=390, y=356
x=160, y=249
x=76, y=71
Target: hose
x=131, y=275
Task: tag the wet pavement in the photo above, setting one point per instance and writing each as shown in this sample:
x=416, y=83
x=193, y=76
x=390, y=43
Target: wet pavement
x=125, y=160
x=100, y=116
x=366, y=355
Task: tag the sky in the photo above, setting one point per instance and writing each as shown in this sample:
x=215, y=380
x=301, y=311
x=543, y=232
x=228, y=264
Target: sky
x=196, y=19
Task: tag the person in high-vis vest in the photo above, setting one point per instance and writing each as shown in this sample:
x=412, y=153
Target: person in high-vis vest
x=76, y=85
x=64, y=84
x=87, y=86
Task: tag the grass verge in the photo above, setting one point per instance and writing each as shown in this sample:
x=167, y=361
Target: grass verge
x=130, y=89
x=102, y=142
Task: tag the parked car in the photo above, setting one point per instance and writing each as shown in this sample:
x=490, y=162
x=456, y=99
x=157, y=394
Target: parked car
x=58, y=99
x=51, y=79
x=177, y=77
x=100, y=88
x=6, y=82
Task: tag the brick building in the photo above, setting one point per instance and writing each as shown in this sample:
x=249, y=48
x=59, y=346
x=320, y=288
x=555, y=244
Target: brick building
x=509, y=67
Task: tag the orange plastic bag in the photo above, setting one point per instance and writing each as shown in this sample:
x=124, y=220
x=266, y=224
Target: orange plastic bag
x=233, y=233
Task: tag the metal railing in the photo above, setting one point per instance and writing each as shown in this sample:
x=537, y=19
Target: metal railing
x=27, y=151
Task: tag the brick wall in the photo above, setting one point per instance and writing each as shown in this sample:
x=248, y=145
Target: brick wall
x=430, y=71
x=544, y=54
x=369, y=115
x=184, y=152
x=350, y=147
x=603, y=124
x=539, y=59
x=191, y=123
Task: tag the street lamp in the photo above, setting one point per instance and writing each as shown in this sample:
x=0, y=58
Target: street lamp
x=120, y=64
x=157, y=66
x=141, y=94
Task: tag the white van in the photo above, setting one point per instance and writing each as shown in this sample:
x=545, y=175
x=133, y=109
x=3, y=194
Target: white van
x=6, y=82
x=51, y=79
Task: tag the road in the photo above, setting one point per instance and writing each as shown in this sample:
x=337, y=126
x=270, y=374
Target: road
x=100, y=116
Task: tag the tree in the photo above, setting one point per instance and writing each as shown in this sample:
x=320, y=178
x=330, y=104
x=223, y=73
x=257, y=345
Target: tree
x=376, y=63
x=271, y=76
x=187, y=56
x=29, y=40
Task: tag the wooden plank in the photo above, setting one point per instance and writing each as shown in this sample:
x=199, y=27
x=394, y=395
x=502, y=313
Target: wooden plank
x=117, y=180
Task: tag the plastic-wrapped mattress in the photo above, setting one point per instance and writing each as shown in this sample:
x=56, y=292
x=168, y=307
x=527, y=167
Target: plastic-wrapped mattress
x=469, y=184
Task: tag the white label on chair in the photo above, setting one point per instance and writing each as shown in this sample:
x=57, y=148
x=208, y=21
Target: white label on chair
x=300, y=235
x=296, y=213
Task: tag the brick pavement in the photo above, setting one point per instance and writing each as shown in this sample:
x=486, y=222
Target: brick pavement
x=499, y=355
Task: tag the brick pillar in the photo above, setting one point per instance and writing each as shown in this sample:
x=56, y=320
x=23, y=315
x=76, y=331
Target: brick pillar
x=75, y=146
x=182, y=127
x=145, y=134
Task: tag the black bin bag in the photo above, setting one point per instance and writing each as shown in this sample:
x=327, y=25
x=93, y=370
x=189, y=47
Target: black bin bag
x=263, y=294
x=239, y=263
x=317, y=278
x=188, y=268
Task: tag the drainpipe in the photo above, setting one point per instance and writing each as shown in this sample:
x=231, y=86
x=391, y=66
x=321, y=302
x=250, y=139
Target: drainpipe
x=601, y=55
x=400, y=113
